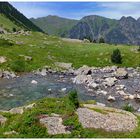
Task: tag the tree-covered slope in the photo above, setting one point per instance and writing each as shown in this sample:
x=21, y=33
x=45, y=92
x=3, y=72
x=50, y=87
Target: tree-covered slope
x=11, y=18
x=54, y=25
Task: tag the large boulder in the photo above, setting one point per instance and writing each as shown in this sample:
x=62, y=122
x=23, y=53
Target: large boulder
x=106, y=118
x=54, y=124
x=8, y=74
x=110, y=81
x=84, y=70
x=82, y=79
x=121, y=73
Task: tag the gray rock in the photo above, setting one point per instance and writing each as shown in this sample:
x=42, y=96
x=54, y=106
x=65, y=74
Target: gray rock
x=110, y=81
x=121, y=73
x=2, y=120
x=63, y=65
x=18, y=110
x=109, y=119
x=111, y=98
x=2, y=59
x=53, y=124
x=82, y=79
x=84, y=70
x=93, y=85
x=10, y=133
x=102, y=92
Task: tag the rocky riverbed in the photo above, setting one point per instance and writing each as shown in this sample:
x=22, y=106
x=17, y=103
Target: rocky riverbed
x=111, y=86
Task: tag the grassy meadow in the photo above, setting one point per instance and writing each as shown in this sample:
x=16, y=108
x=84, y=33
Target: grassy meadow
x=45, y=50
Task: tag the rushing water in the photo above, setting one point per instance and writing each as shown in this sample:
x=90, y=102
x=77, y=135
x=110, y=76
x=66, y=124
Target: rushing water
x=19, y=91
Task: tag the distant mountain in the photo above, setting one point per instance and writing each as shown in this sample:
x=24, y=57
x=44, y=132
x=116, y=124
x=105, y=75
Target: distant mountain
x=93, y=27
x=54, y=25
x=123, y=31
x=11, y=18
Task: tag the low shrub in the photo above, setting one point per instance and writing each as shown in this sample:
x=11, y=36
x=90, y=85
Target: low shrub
x=116, y=56
x=128, y=107
x=18, y=65
x=73, y=98
x=5, y=43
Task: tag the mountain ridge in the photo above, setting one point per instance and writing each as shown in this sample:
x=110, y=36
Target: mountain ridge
x=15, y=18
x=123, y=31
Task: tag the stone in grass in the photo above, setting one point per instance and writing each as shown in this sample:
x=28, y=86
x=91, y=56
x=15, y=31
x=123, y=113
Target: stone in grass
x=108, y=119
x=2, y=120
x=53, y=124
x=2, y=59
x=18, y=110
x=10, y=133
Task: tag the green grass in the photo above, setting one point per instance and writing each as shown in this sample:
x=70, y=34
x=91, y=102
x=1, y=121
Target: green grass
x=7, y=24
x=27, y=125
x=46, y=50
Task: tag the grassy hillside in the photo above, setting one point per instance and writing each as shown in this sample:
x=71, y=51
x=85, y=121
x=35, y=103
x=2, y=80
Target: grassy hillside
x=13, y=18
x=7, y=23
x=54, y=25
x=27, y=124
x=45, y=50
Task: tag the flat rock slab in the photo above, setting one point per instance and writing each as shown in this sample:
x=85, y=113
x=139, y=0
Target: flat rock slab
x=2, y=120
x=53, y=124
x=108, y=119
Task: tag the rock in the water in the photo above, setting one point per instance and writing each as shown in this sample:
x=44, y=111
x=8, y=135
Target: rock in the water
x=110, y=81
x=102, y=92
x=93, y=85
x=84, y=70
x=8, y=74
x=63, y=89
x=137, y=96
x=2, y=120
x=34, y=82
x=131, y=97
x=120, y=87
x=111, y=98
x=121, y=73
x=53, y=124
x=2, y=59
x=121, y=92
x=81, y=79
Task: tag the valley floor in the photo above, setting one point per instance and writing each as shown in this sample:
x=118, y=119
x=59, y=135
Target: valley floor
x=42, y=55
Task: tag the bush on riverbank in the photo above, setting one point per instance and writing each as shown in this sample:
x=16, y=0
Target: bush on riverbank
x=73, y=98
x=18, y=65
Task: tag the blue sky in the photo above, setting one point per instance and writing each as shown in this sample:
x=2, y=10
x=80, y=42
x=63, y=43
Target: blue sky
x=77, y=10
